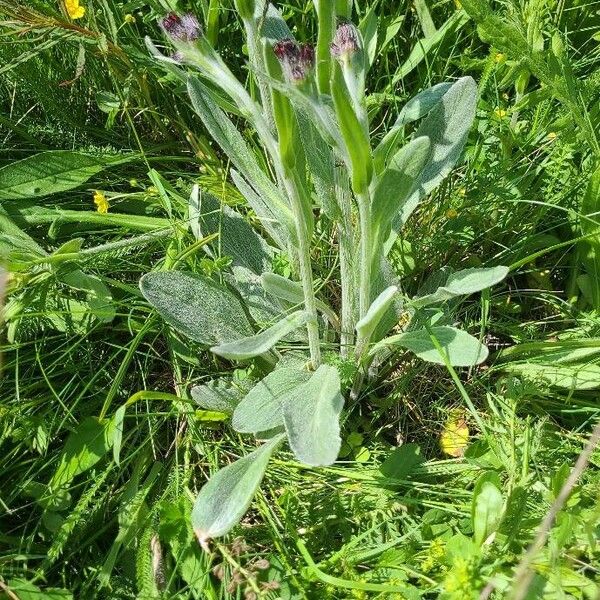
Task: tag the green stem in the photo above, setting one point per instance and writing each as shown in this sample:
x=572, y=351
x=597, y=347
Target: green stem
x=347, y=263
x=364, y=211
x=306, y=278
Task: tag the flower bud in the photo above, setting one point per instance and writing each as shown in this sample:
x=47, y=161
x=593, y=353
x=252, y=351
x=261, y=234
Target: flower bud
x=184, y=28
x=296, y=61
x=345, y=41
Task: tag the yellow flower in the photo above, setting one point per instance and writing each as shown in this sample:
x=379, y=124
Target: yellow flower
x=499, y=57
x=101, y=202
x=451, y=213
x=74, y=9
x=551, y=136
x=129, y=18
x=500, y=113
x=455, y=435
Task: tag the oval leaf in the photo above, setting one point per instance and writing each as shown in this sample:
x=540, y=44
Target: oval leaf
x=256, y=345
x=311, y=417
x=47, y=173
x=217, y=396
x=261, y=410
x=462, y=349
x=196, y=306
x=227, y=495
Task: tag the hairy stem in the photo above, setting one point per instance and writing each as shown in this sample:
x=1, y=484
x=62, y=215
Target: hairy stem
x=306, y=278
x=347, y=263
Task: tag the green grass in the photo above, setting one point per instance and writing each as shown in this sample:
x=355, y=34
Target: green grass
x=393, y=518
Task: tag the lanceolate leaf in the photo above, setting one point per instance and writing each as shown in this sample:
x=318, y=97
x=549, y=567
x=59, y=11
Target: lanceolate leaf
x=463, y=283
x=48, y=173
x=461, y=348
x=237, y=238
x=377, y=310
x=355, y=139
x=272, y=208
x=256, y=345
x=261, y=409
x=197, y=306
x=447, y=126
x=311, y=416
x=223, y=501
x=414, y=109
x=398, y=183
x=283, y=288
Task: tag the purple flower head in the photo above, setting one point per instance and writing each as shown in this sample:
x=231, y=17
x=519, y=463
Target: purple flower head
x=184, y=28
x=296, y=61
x=345, y=42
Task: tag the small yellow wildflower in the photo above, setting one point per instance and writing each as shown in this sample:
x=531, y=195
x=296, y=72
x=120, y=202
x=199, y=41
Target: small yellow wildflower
x=129, y=18
x=551, y=136
x=455, y=435
x=462, y=192
x=499, y=57
x=500, y=113
x=101, y=202
x=74, y=9
x=451, y=213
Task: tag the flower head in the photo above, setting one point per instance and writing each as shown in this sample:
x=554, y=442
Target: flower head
x=74, y=9
x=296, y=60
x=184, y=28
x=101, y=202
x=345, y=41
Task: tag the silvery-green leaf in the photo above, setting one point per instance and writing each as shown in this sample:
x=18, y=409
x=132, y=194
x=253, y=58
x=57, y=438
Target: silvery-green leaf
x=262, y=210
x=319, y=157
x=227, y=495
x=292, y=292
x=447, y=126
x=366, y=326
x=258, y=344
x=194, y=209
x=218, y=396
x=196, y=306
x=311, y=415
x=274, y=26
x=271, y=205
x=260, y=410
x=282, y=287
x=399, y=182
x=463, y=283
x=461, y=348
x=237, y=238
x=416, y=108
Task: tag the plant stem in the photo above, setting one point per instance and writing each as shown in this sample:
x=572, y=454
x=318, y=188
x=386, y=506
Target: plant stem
x=347, y=263
x=364, y=211
x=306, y=278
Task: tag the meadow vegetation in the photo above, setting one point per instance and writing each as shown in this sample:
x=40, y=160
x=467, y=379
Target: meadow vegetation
x=196, y=211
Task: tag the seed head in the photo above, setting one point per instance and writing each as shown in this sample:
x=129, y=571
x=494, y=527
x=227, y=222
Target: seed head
x=184, y=28
x=296, y=60
x=345, y=41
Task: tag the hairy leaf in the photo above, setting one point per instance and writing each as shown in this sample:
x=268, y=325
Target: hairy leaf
x=463, y=283
x=261, y=409
x=461, y=348
x=447, y=126
x=311, y=416
x=260, y=343
x=218, y=396
x=201, y=309
x=366, y=326
x=223, y=501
